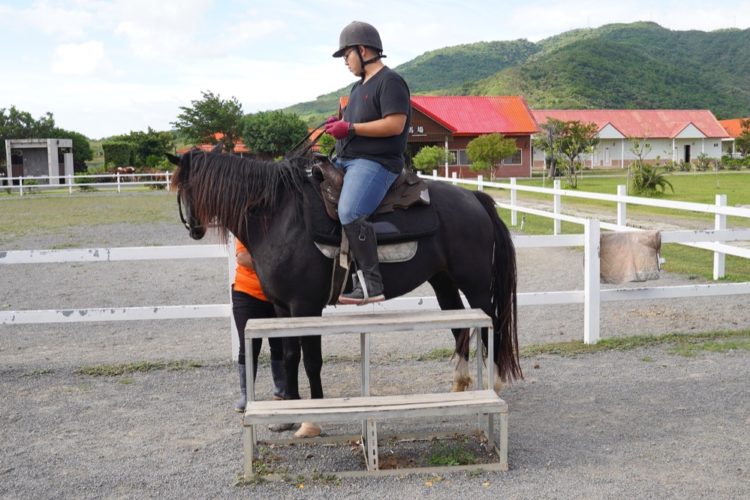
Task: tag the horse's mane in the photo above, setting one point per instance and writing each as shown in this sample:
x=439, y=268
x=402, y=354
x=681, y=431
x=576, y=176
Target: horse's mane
x=230, y=188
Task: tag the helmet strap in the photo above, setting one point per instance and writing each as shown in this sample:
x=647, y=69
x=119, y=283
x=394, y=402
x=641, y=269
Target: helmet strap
x=363, y=63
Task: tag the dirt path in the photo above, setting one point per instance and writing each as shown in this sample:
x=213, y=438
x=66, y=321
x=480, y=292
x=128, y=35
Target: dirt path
x=643, y=423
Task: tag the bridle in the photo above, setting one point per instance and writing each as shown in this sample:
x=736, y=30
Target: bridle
x=182, y=217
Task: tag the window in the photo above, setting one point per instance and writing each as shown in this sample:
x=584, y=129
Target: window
x=452, y=157
x=458, y=157
x=463, y=158
x=514, y=159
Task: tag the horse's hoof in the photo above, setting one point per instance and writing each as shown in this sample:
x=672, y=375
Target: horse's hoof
x=498, y=386
x=308, y=430
x=461, y=384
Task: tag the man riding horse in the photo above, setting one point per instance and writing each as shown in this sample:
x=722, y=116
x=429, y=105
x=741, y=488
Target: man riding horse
x=371, y=140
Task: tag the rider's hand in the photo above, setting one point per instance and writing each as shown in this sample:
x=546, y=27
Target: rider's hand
x=338, y=129
x=331, y=119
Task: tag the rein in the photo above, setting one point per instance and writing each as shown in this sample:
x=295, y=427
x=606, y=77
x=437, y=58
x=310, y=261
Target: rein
x=293, y=153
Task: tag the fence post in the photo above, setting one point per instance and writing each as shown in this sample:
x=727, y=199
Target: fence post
x=167, y=176
x=513, y=202
x=20, y=186
x=118, y=181
x=720, y=222
x=622, y=207
x=70, y=184
x=591, y=288
x=557, y=207
x=480, y=183
x=231, y=270
x=434, y=173
x=454, y=176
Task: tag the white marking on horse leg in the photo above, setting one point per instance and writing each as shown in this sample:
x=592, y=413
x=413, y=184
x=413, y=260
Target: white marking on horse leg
x=498, y=386
x=461, y=378
x=308, y=430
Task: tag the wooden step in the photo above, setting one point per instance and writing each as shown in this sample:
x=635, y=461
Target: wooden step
x=404, y=321
x=377, y=407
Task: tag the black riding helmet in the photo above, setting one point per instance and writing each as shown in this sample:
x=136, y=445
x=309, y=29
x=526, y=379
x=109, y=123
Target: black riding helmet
x=358, y=33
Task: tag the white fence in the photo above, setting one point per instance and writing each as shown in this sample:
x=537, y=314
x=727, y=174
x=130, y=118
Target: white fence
x=591, y=296
x=25, y=185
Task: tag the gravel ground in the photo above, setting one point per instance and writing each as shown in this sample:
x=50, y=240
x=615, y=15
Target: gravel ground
x=641, y=423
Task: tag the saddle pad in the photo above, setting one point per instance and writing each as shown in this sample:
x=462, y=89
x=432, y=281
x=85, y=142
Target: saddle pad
x=393, y=227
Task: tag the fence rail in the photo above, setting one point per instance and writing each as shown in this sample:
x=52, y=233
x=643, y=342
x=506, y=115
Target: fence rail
x=116, y=181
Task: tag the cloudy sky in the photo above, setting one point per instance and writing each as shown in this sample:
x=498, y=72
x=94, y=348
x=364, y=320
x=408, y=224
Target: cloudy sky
x=106, y=67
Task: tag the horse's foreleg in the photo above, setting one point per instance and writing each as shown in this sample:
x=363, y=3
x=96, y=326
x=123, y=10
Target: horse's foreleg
x=291, y=366
x=312, y=357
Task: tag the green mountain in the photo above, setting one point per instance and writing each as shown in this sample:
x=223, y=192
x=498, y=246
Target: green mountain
x=437, y=71
x=616, y=66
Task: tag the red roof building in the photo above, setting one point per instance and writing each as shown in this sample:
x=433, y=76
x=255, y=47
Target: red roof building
x=734, y=130
x=239, y=147
x=453, y=121
x=733, y=126
x=672, y=134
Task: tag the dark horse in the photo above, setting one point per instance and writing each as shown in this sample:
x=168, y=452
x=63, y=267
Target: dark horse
x=261, y=203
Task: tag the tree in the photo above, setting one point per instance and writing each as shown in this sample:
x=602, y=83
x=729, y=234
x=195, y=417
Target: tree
x=326, y=143
x=548, y=141
x=486, y=151
x=742, y=142
x=16, y=124
x=200, y=122
x=82, y=151
x=575, y=139
x=270, y=134
x=147, y=148
x=429, y=158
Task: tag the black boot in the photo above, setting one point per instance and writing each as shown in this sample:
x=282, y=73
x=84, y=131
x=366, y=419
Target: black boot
x=239, y=406
x=363, y=245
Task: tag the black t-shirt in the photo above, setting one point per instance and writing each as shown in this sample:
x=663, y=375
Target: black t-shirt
x=384, y=94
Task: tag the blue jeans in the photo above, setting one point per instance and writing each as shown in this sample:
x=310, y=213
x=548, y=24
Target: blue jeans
x=365, y=185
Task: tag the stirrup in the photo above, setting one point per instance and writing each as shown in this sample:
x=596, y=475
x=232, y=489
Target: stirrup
x=360, y=287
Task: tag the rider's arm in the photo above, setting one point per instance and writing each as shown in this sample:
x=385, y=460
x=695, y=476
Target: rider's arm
x=384, y=127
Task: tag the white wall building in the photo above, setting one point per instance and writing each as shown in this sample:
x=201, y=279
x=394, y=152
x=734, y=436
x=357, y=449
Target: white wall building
x=671, y=135
x=39, y=158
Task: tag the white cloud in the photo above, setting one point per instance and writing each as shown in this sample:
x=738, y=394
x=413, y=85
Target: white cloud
x=81, y=59
x=156, y=29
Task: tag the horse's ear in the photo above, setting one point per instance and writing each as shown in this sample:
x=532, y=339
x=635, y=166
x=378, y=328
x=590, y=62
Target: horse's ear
x=218, y=147
x=175, y=160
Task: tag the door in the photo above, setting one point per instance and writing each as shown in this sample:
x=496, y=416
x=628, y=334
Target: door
x=687, y=153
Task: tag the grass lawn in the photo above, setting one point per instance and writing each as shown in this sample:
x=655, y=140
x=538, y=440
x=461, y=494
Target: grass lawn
x=54, y=213
x=691, y=187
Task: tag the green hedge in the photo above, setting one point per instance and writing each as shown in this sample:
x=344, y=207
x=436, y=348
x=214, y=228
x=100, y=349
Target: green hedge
x=118, y=153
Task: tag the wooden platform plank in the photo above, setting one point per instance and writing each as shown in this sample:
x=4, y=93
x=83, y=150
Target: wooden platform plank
x=370, y=323
x=378, y=407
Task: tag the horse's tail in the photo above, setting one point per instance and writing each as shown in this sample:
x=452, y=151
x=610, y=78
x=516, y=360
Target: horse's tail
x=504, y=307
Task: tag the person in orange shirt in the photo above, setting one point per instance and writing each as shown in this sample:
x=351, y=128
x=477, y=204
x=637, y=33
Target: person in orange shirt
x=249, y=302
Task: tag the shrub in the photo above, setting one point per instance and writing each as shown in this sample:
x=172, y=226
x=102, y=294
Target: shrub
x=647, y=180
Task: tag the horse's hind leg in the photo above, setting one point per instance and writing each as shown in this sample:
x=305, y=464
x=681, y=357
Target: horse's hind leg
x=449, y=299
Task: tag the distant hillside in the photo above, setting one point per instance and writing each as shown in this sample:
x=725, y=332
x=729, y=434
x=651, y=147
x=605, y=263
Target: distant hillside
x=436, y=71
x=638, y=65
